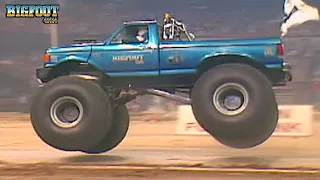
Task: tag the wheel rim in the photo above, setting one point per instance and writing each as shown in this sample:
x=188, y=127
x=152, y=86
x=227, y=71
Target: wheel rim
x=66, y=112
x=230, y=99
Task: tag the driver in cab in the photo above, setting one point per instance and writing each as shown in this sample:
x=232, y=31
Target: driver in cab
x=142, y=35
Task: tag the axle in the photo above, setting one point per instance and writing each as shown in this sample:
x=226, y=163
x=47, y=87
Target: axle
x=127, y=97
x=169, y=96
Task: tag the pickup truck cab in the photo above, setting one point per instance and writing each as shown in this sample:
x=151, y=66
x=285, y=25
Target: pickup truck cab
x=228, y=83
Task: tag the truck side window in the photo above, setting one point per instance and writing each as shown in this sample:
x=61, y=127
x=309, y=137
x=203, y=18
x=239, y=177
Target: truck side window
x=131, y=34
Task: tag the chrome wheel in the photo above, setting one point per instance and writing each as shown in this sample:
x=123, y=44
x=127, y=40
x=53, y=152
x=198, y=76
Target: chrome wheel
x=66, y=112
x=230, y=99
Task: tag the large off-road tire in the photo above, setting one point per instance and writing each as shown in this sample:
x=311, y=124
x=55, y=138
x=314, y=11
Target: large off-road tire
x=116, y=134
x=235, y=103
x=71, y=114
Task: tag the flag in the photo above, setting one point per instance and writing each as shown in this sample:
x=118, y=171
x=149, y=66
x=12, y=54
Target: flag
x=296, y=13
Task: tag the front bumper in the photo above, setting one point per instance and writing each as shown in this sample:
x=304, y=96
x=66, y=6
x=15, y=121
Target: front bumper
x=42, y=74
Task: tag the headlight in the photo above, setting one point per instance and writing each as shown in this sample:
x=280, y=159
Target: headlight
x=54, y=58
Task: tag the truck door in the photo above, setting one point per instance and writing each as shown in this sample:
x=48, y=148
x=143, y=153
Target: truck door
x=178, y=57
x=126, y=55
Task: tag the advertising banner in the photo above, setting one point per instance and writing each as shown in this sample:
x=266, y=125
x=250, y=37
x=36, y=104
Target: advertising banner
x=293, y=121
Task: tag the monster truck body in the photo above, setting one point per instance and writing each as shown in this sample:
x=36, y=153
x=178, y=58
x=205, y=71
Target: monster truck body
x=229, y=83
x=170, y=59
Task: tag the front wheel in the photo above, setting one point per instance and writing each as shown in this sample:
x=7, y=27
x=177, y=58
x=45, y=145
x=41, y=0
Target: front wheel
x=70, y=113
x=116, y=134
x=235, y=103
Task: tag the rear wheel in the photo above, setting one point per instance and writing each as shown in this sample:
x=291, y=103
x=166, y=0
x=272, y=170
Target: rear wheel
x=235, y=103
x=116, y=134
x=70, y=113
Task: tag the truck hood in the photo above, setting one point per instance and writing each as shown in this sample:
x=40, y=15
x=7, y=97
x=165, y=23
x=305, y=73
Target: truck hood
x=77, y=47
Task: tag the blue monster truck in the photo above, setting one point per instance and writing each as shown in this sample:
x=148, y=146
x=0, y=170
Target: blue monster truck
x=84, y=87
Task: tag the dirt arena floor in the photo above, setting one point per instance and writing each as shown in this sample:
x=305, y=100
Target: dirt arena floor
x=52, y=173
x=17, y=135
x=16, y=132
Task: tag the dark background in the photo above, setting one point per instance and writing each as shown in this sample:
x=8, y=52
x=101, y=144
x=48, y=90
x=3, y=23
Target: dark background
x=23, y=41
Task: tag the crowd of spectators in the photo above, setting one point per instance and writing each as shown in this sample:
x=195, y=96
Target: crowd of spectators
x=24, y=40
